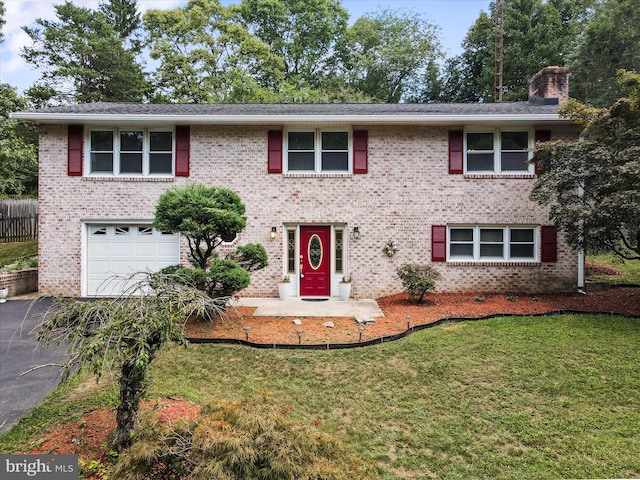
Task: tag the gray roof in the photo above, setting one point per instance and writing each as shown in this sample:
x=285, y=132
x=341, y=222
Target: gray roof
x=297, y=114
x=206, y=109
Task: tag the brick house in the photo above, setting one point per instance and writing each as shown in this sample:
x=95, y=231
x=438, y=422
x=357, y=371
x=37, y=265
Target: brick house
x=326, y=188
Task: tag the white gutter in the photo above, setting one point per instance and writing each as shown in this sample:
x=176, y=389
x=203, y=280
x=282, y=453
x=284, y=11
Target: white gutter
x=120, y=119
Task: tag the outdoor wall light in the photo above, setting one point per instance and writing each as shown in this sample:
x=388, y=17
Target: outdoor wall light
x=356, y=233
x=273, y=233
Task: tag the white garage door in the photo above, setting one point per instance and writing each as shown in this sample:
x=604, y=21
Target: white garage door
x=115, y=252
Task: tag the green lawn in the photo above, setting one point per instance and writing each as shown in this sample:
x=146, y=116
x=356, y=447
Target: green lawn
x=630, y=269
x=534, y=397
x=10, y=252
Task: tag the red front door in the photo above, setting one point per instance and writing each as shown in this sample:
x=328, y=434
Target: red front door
x=315, y=261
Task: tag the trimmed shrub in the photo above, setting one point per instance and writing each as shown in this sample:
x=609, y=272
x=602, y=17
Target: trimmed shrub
x=418, y=280
x=225, y=277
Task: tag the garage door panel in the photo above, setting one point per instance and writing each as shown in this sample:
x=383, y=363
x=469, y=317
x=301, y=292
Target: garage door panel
x=146, y=251
x=122, y=266
x=115, y=252
x=122, y=249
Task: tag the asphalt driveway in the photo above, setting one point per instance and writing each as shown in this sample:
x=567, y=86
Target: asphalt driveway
x=19, y=353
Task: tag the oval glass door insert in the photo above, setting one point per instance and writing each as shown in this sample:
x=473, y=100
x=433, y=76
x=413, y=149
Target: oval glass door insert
x=315, y=252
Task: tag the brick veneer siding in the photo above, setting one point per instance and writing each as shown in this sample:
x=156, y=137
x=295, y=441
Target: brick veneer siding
x=407, y=190
x=23, y=281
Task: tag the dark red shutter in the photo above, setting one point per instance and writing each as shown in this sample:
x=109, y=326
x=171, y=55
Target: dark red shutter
x=75, y=135
x=438, y=243
x=542, y=136
x=274, y=161
x=456, y=154
x=360, y=151
x=183, y=141
x=549, y=241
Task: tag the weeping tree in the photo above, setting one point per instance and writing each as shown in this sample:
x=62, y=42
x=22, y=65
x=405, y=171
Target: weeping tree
x=207, y=217
x=592, y=186
x=124, y=334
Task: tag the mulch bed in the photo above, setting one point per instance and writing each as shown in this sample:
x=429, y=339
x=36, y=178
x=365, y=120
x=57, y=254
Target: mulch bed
x=401, y=315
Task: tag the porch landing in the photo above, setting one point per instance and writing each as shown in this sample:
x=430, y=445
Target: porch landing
x=296, y=307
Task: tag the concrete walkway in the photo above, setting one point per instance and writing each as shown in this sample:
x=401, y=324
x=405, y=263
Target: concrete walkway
x=296, y=307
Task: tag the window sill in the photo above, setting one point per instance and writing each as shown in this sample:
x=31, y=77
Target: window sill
x=128, y=179
x=504, y=263
x=485, y=176
x=318, y=175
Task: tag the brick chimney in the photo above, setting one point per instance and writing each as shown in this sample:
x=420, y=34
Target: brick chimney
x=550, y=86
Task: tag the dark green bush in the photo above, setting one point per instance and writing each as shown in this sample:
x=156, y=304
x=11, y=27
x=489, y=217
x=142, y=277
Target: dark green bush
x=251, y=257
x=194, y=277
x=418, y=280
x=224, y=277
x=236, y=441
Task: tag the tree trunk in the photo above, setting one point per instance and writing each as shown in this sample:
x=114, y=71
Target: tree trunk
x=131, y=389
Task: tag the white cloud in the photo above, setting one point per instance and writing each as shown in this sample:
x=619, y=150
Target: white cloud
x=13, y=68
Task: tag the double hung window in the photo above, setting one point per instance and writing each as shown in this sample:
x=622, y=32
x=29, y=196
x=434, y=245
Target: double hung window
x=498, y=151
x=493, y=243
x=317, y=151
x=131, y=152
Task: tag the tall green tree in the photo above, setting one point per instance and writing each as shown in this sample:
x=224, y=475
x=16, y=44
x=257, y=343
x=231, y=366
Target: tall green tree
x=308, y=35
x=608, y=43
x=593, y=186
x=205, y=55
x=536, y=34
x=2, y=21
x=390, y=54
x=18, y=147
x=83, y=59
x=468, y=77
x=125, y=18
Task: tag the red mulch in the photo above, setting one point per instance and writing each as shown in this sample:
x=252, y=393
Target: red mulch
x=89, y=437
x=401, y=314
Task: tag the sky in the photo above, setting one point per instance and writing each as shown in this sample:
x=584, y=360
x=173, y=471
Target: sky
x=454, y=17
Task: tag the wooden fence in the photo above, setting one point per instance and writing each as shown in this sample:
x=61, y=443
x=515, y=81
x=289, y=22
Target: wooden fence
x=18, y=220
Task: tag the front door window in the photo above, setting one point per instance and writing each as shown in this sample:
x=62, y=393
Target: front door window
x=315, y=252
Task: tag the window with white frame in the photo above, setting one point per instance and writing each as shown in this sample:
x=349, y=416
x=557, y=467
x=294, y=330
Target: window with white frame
x=130, y=152
x=317, y=151
x=492, y=243
x=498, y=151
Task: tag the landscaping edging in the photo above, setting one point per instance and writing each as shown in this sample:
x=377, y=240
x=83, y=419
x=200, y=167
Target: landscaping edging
x=20, y=282
x=391, y=338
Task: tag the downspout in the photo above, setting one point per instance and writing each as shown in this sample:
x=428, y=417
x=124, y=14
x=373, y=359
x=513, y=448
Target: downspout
x=581, y=271
x=581, y=251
